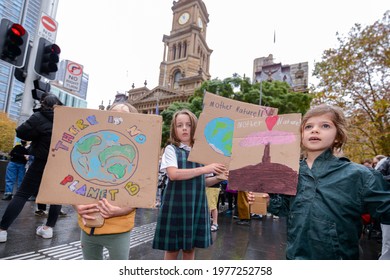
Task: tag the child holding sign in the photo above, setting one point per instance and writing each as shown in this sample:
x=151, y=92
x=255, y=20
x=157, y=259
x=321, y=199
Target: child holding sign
x=184, y=220
x=324, y=217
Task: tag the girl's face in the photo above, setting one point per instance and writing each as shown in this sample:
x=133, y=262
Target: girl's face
x=319, y=134
x=183, y=128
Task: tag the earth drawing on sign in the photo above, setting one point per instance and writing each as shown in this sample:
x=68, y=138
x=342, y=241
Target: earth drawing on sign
x=106, y=158
x=219, y=135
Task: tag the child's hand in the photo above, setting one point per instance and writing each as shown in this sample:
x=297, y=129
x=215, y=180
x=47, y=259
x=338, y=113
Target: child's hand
x=108, y=210
x=251, y=197
x=86, y=210
x=216, y=168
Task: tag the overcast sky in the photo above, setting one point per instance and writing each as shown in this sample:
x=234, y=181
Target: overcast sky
x=119, y=42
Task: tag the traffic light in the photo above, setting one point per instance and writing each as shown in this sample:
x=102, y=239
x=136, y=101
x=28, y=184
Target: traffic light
x=48, y=55
x=13, y=42
x=40, y=89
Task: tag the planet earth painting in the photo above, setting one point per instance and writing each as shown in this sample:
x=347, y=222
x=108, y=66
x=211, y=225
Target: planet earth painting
x=105, y=158
x=219, y=135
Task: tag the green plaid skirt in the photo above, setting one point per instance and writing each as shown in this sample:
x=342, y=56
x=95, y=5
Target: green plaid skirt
x=184, y=219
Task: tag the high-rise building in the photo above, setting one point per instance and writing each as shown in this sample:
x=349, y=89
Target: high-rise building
x=25, y=12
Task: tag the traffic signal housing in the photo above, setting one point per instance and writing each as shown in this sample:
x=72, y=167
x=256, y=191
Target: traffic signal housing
x=40, y=89
x=48, y=56
x=13, y=42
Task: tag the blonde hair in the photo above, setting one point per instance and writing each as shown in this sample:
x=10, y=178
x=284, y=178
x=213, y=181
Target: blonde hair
x=338, y=119
x=173, y=138
x=123, y=105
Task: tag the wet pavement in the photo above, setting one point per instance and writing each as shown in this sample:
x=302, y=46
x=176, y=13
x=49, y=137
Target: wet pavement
x=264, y=239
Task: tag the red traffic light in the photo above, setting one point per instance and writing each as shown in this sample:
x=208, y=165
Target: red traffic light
x=13, y=42
x=47, y=58
x=55, y=49
x=17, y=30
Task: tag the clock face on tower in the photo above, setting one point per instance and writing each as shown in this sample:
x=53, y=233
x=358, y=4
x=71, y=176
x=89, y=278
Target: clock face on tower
x=184, y=17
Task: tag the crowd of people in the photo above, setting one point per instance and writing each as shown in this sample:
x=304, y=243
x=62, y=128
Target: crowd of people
x=324, y=217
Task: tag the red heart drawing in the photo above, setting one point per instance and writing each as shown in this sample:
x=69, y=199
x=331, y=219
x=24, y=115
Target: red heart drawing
x=271, y=121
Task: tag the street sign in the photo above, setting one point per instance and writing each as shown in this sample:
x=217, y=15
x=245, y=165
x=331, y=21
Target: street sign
x=19, y=97
x=73, y=75
x=47, y=28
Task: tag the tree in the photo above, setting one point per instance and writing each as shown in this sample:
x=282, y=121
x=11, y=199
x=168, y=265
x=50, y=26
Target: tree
x=7, y=132
x=275, y=94
x=355, y=77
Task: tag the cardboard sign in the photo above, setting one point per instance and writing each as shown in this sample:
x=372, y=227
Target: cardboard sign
x=95, y=154
x=214, y=131
x=259, y=206
x=265, y=154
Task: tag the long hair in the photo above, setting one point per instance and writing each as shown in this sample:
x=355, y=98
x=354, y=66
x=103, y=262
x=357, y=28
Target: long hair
x=337, y=117
x=173, y=136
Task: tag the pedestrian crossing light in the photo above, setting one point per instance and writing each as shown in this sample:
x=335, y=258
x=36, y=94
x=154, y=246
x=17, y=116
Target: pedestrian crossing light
x=48, y=56
x=13, y=43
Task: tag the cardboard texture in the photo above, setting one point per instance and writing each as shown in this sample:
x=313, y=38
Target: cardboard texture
x=96, y=154
x=259, y=206
x=214, y=131
x=265, y=154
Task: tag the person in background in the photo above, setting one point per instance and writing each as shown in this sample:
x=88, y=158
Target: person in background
x=114, y=234
x=183, y=221
x=383, y=167
x=16, y=168
x=212, y=193
x=243, y=209
x=324, y=217
x=376, y=160
x=37, y=129
x=367, y=162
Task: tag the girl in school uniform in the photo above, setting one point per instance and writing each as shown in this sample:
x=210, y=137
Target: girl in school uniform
x=183, y=222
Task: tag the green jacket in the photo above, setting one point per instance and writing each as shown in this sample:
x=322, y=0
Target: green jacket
x=324, y=218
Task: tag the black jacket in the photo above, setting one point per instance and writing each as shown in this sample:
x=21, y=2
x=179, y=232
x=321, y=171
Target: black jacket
x=18, y=154
x=37, y=129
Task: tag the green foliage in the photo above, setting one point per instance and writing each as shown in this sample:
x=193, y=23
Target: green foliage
x=7, y=132
x=356, y=77
x=274, y=94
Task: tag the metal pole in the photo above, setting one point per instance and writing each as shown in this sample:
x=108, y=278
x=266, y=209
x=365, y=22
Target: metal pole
x=49, y=7
x=261, y=92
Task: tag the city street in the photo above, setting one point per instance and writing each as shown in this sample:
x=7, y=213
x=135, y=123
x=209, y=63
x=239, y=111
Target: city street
x=264, y=239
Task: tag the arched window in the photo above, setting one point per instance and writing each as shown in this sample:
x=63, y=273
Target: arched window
x=176, y=78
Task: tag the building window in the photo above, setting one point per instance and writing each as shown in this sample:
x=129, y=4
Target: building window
x=185, y=49
x=174, y=52
x=177, y=77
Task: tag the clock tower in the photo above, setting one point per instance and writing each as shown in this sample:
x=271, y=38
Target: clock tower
x=186, y=60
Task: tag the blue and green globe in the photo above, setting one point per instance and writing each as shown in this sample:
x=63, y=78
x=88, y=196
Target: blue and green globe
x=104, y=158
x=219, y=135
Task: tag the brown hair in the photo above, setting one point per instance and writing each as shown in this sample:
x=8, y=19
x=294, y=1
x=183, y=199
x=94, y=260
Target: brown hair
x=337, y=117
x=130, y=107
x=173, y=137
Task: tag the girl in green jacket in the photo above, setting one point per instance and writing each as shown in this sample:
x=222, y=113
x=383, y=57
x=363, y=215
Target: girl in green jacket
x=324, y=217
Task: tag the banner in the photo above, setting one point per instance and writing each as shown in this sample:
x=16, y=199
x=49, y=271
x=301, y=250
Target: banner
x=214, y=131
x=265, y=154
x=95, y=154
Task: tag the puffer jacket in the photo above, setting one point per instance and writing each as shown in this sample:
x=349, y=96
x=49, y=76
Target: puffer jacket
x=37, y=129
x=113, y=225
x=324, y=218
